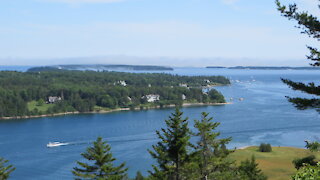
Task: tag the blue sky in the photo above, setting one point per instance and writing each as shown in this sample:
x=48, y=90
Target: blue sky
x=217, y=32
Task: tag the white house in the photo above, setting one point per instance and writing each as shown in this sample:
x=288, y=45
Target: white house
x=122, y=83
x=183, y=85
x=152, y=97
x=183, y=97
x=54, y=99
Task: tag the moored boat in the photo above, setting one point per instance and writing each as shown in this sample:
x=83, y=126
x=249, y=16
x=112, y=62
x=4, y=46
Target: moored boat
x=56, y=144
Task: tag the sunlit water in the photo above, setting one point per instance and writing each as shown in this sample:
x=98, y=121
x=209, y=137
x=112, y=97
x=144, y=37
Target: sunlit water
x=263, y=116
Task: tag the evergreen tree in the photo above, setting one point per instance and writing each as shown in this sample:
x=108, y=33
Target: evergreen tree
x=139, y=176
x=300, y=162
x=249, y=170
x=210, y=152
x=102, y=167
x=313, y=146
x=5, y=170
x=265, y=147
x=171, y=152
x=310, y=25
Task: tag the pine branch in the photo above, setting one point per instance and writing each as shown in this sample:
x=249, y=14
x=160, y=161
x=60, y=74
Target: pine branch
x=303, y=103
x=307, y=22
x=309, y=88
x=314, y=56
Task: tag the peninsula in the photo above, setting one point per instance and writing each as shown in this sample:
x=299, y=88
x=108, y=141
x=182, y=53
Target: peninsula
x=265, y=67
x=101, y=67
x=45, y=93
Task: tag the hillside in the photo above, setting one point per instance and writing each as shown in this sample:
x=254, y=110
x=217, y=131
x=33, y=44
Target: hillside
x=277, y=165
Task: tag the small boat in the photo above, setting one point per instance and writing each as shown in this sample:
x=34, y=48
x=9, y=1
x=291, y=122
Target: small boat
x=56, y=144
x=241, y=99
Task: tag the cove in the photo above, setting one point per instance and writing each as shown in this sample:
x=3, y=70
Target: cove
x=264, y=115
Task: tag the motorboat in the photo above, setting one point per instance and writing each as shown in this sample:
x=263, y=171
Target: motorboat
x=56, y=144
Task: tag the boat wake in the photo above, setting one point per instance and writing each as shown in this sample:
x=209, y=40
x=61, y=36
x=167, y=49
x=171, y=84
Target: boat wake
x=56, y=144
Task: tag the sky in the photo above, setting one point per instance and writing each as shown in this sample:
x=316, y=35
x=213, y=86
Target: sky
x=151, y=32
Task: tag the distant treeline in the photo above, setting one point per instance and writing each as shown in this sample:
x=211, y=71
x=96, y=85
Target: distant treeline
x=84, y=91
x=267, y=67
x=100, y=67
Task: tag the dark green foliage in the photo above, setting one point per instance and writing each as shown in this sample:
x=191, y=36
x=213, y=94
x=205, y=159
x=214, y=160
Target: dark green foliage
x=307, y=173
x=171, y=152
x=40, y=102
x=210, y=152
x=215, y=96
x=313, y=146
x=265, y=147
x=178, y=159
x=5, y=170
x=310, y=25
x=102, y=166
x=249, y=170
x=300, y=162
x=139, y=176
x=83, y=90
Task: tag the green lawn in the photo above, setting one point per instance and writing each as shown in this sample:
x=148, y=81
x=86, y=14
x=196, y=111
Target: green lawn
x=43, y=108
x=277, y=165
x=99, y=108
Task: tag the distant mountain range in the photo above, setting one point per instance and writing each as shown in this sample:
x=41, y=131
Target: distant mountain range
x=267, y=67
x=100, y=67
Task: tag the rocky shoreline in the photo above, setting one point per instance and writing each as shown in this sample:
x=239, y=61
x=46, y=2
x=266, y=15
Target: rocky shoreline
x=112, y=110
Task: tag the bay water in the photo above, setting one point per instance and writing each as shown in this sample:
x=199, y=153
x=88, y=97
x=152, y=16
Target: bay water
x=263, y=115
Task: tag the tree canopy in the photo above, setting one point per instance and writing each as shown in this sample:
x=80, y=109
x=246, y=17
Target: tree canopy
x=87, y=91
x=211, y=152
x=5, y=170
x=103, y=163
x=171, y=152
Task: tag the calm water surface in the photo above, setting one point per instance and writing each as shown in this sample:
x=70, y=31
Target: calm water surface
x=263, y=116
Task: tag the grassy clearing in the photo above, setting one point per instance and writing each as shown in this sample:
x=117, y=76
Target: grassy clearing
x=277, y=165
x=99, y=108
x=43, y=108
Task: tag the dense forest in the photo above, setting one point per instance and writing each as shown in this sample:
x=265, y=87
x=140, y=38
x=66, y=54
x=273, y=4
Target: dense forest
x=27, y=93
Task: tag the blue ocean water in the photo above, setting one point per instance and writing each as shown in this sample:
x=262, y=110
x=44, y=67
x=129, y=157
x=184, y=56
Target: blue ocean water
x=263, y=116
x=14, y=68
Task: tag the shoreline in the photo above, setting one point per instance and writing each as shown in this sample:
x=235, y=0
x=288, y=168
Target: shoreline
x=113, y=110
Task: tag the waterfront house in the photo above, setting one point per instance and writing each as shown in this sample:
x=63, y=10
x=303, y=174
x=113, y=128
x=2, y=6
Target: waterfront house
x=183, y=97
x=152, y=97
x=183, y=85
x=53, y=99
x=122, y=83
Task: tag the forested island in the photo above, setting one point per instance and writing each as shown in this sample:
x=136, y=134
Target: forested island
x=24, y=94
x=100, y=67
x=266, y=67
